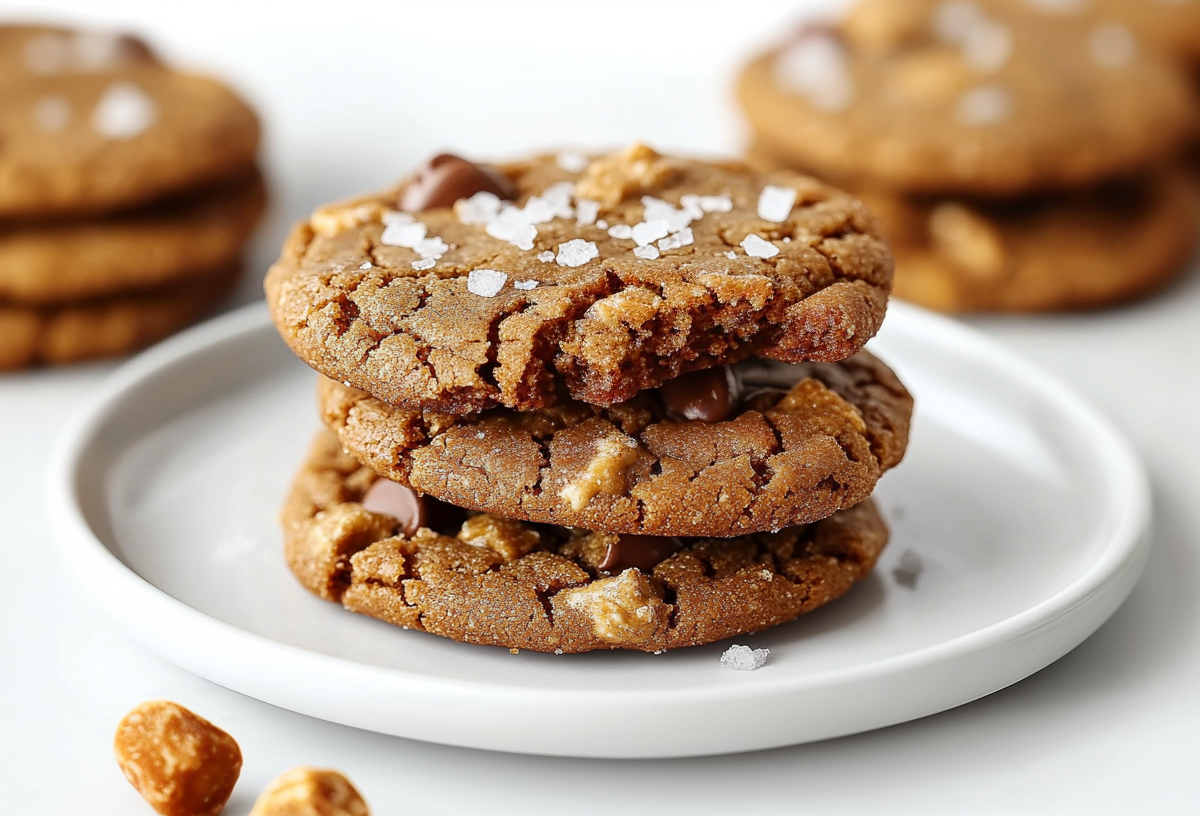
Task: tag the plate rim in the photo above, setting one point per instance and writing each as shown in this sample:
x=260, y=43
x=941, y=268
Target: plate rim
x=1126, y=542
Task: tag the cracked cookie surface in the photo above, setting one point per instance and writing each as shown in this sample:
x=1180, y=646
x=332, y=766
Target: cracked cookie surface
x=594, y=282
x=815, y=441
x=517, y=585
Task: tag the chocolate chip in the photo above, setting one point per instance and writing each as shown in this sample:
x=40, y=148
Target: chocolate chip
x=640, y=551
x=446, y=178
x=707, y=396
x=410, y=509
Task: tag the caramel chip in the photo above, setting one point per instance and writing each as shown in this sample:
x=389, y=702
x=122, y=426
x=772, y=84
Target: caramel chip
x=305, y=791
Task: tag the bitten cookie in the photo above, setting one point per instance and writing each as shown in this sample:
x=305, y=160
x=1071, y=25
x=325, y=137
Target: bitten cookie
x=87, y=129
x=54, y=262
x=469, y=287
x=950, y=98
x=106, y=326
x=755, y=447
x=492, y=581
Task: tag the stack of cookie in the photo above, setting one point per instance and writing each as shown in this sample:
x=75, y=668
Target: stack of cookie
x=127, y=192
x=1018, y=161
x=585, y=403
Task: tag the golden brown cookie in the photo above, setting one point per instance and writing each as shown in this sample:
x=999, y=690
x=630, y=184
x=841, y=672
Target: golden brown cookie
x=946, y=97
x=498, y=582
x=77, y=137
x=596, y=280
x=56, y=262
x=109, y=326
x=794, y=444
x=1089, y=248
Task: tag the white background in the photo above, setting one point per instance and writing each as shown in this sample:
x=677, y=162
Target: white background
x=352, y=95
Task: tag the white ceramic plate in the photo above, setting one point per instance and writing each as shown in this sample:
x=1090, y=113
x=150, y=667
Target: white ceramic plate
x=1023, y=512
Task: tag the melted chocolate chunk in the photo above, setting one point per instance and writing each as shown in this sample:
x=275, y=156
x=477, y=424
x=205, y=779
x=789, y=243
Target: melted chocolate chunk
x=411, y=510
x=640, y=551
x=446, y=178
x=708, y=395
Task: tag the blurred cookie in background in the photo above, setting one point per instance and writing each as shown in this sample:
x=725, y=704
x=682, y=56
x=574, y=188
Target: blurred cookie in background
x=123, y=185
x=1001, y=147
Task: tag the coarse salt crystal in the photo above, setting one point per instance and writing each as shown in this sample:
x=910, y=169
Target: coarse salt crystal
x=478, y=209
x=985, y=105
x=576, y=252
x=572, y=161
x=743, y=658
x=424, y=263
x=647, y=232
x=586, y=211
x=988, y=46
x=721, y=203
x=1112, y=45
x=365, y=265
x=602, y=224
x=402, y=233
x=396, y=217
x=677, y=239
x=52, y=113
x=485, y=282
x=775, y=203
x=817, y=69
x=523, y=236
x=756, y=247
x=431, y=248
x=123, y=112
x=621, y=232
x=731, y=255
x=527, y=284
x=546, y=257
x=655, y=209
x=646, y=253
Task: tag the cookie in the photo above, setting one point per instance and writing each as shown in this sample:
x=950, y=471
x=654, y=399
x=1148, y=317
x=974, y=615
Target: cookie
x=1089, y=248
x=493, y=581
x=80, y=141
x=55, y=262
x=594, y=280
x=961, y=98
x=106, y=326
x=753, y=447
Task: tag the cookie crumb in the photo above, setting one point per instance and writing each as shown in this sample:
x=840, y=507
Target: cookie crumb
x=124, y=112
x=526, y=284
x=546, y=257
x=908, y=569
x=305, y=791
x=424, y=263
x=52, y=113
x=775, y=203
x=756, y=247
x=558, y=651
x=486, y=282
x=743, y=658
x=514, y=651
x=1112, y=45
x=572, y=161
x=646, y=253
x=576, y=252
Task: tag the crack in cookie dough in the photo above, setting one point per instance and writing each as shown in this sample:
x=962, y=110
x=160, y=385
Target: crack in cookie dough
x=816, y=440
x=553, y=598
x=597, y=322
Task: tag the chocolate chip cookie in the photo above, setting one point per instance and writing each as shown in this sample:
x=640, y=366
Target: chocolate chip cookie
x=492, y=581
x=727, y=451
x=469, y=286
x=955, y=98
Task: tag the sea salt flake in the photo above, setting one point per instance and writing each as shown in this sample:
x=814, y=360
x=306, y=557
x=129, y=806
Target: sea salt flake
x=403, y=233
x=478, y=209
x=690, y=204
x=396, y=217
x=546, y=257
x=655, y=209
x=817, y=69
x=988, y=46
x=523, y=237
x=424, y=263
x=431, y=248
x=985, y=105
x=52, y=113
x=528, y=284
x=647, y=232
x=756, y=247
x=602, y=224
x=646, y=253
x=576, y=252
x=743, y=658
x=954, y=20
x=621, y=232
x=586, y=211
x=486, y=282
x=677, y=239
x=1059, y=6
x=572, y=161
x=46, y=54
x=718, y=203
x=731, y=255
x=908, y=569
x=96, y=50
x=365, y=265
x=1112, y=45
x=123, y=112
x=775, y=203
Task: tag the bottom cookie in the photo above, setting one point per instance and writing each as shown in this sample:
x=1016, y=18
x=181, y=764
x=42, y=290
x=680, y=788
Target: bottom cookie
x=106, y=326
x=1080, y=250
x=493, y=581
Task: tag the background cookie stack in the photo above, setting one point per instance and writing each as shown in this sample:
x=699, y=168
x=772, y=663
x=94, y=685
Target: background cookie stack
x=1018, y=160
x=569, y=403
x=127, y=191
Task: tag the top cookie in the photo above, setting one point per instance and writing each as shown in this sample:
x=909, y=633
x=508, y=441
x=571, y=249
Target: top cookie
x=93, y=123
x=958, y=97
x=596, y=279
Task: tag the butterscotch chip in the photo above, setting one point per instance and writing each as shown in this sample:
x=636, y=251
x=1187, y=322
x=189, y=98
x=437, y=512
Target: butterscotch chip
x=805, y=441
x=597, y=283
x=306, y=791
x=542, y=587
x=180, y=763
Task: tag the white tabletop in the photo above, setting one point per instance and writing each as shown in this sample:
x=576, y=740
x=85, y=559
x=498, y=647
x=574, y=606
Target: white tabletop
x=353, y=94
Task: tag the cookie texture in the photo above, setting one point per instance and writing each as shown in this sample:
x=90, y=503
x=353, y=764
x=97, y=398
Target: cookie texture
x=967, y=98
x=106, y=326
x=815, y=441
x=504, y=583
x=54, y=262
x=94, y=128
x=594, y=282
